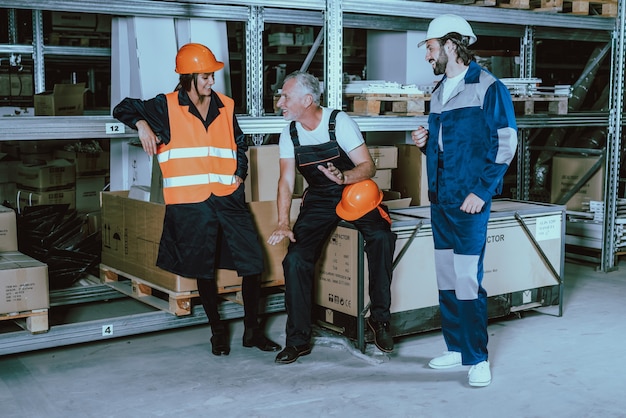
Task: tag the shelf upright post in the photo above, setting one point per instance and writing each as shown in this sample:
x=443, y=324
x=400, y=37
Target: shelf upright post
x=39, y=68
x=333, y=81
x=254, y=65
x=527, y=53
x=523, y=165
x=526, y=70
x=613, y=142
x=12, y=27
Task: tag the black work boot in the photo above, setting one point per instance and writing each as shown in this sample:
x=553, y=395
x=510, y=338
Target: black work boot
x=220, y=342
x=382, y=334
x=253, y=337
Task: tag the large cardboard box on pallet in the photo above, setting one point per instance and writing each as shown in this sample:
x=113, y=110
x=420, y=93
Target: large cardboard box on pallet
x=264, y=172
x=131, y=231
x=23, y=283
x=513, y=262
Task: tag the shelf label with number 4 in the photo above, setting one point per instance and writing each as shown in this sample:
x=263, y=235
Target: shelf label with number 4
x=114, y=128
x=107, y=330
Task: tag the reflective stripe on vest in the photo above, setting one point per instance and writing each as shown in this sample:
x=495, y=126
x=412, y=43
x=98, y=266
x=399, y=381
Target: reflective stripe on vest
x=196, y=152
x=198, y=161
x=198, y=179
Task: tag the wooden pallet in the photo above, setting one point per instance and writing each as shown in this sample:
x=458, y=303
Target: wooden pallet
x=607, y=8
x=35, y=321
x=176, y=303
x=373, y=104
x=530, y=105
x=510, y=4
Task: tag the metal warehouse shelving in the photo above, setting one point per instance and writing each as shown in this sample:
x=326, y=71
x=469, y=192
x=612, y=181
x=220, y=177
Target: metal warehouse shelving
x=333, y=16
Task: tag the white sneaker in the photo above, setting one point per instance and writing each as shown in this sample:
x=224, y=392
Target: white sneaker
x=447, y=360
x=480, y=374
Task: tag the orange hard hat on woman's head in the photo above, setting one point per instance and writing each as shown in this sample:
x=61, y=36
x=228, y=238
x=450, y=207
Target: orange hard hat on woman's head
x=358, y=199
x=196, y=59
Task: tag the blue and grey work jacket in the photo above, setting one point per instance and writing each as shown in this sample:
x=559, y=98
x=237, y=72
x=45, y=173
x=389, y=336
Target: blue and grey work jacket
x=478, y=133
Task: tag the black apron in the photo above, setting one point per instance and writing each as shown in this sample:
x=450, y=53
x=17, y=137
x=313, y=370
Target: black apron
x=309, y=157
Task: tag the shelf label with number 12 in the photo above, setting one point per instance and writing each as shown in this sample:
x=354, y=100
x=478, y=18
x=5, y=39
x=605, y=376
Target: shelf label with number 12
x=114, y=128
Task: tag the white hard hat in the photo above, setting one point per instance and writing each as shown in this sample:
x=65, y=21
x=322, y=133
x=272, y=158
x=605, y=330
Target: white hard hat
x=445, y=24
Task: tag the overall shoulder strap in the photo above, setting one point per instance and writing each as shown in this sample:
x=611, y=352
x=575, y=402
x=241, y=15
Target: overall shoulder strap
x=332, y=123
x=294, y=134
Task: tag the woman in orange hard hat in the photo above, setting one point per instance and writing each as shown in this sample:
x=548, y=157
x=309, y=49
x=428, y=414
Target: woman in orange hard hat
x=200, y=148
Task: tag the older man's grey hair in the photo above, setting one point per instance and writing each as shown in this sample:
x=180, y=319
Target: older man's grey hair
x=309, y=83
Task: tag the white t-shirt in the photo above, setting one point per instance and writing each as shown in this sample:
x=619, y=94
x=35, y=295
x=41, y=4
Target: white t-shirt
x=347, y=133
x=450, y=84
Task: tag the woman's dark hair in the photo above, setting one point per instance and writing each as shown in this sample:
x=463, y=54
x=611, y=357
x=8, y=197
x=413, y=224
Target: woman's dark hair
x=185, y=80
x=462, y=46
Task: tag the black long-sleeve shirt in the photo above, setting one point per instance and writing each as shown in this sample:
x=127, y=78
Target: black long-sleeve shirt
x=154, y=111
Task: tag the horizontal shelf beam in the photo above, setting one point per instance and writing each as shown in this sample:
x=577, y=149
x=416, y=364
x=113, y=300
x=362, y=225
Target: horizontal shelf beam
x=95, y=127
x=122, y=326
x=225, y=11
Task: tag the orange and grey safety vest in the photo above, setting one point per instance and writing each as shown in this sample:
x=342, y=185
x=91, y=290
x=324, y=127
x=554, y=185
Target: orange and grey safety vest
x=198, y=162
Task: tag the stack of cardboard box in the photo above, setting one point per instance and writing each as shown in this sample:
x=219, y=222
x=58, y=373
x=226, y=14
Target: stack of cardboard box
x=92, y=172
x=23, y=280
x=51, y=183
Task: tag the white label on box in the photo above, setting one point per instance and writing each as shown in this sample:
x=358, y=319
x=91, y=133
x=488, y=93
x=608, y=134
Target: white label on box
x=114, y=128
x=548, y=227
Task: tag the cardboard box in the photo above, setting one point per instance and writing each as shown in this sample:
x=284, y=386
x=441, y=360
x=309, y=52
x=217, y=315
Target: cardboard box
x=264, y=163
x=74, y=21
x=8, y=193
x=566, y=173
x=23, y=283
x=64, y=100
x=304, y=35
x=398, y=203
x=410, y=177
x=50, y=197
x=8, y=168
x=16, y=85
x=280, y=38
x=131, y=232
x=86, y=164
x=88, y=191
x=53, y=175
x=383, y=178
x=384, y=156
x=8, y=229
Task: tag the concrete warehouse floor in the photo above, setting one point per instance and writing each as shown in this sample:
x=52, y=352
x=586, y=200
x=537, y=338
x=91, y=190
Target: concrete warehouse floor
x=542, y=365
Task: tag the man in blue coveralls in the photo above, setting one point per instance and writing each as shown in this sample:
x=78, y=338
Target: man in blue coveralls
x=470, y=142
